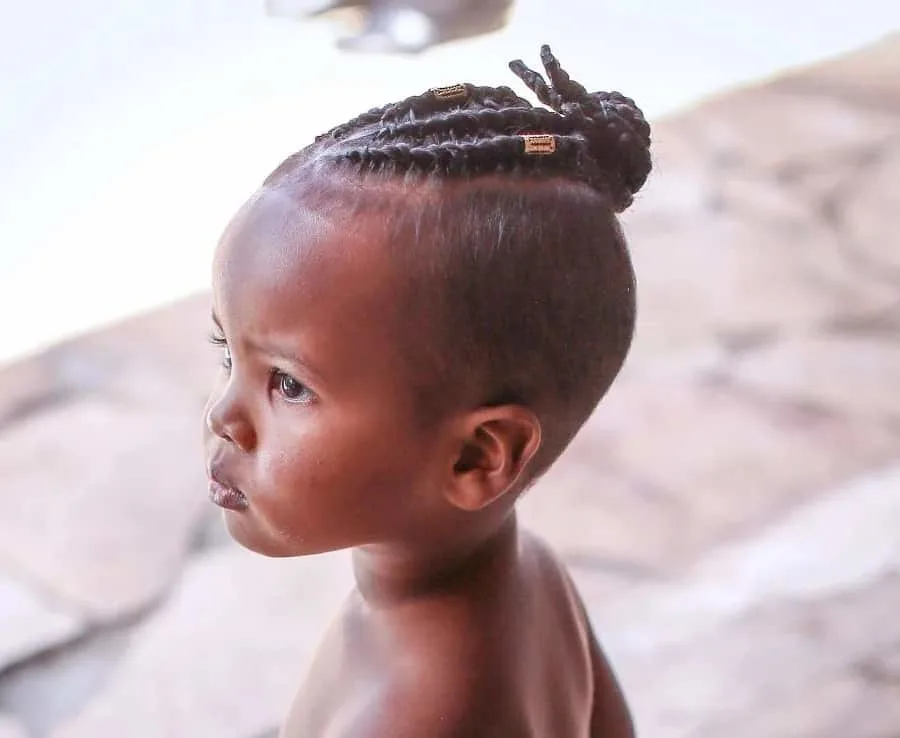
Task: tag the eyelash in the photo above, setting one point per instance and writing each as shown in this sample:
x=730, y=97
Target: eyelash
x=220, y=342
x=277, y=377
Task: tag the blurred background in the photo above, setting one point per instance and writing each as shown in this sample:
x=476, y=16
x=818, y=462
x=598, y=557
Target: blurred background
x=731, y=512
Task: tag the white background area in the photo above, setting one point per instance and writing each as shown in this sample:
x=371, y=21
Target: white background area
x=130, y=131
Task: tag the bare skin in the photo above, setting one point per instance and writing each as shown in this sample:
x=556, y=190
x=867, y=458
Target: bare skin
x=460, y=623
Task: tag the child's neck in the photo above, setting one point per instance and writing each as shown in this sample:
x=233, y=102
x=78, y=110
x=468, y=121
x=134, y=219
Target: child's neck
x=387, y=575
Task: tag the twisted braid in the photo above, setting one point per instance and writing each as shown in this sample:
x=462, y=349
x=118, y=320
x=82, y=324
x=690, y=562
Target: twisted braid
x=618, y=134
x=602, y=138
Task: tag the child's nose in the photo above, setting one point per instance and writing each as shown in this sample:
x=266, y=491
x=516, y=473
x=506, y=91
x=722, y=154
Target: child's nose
x=228, y=419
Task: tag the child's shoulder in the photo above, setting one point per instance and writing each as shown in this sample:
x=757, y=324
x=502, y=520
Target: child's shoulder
x=439, y=699
x=548, y=576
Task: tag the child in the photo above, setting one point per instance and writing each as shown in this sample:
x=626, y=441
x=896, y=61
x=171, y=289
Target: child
x=417, y=312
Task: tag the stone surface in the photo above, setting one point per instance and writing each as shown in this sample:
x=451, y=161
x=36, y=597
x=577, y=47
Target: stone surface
x=761, y=623
x=140, y=489
x=768, y=667
x=165, y=345
x=872, y=240
x=669, y=467
x=817, y=256
x=52, y=687
x=224, y=655
x=866, y=77
x=767, y=127
x=29, y=623
x=780, y=190
x=833, y=708
x=855, y=373
x=102, y=519
x=9, y=728
x=24, y=389
x=826, y=546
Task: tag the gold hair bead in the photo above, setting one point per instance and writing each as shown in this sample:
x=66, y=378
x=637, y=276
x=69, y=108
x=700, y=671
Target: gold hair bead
x=451, y=92
x=539, y=144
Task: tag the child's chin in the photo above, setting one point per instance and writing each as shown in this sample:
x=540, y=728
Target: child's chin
x=248, y=535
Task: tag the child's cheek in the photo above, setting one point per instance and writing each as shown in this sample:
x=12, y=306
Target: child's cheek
x=290, y=461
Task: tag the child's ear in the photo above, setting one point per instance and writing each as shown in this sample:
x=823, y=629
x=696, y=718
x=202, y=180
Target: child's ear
x=497, y=445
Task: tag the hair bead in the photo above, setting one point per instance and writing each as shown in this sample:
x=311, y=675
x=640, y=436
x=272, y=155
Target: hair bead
x=450, y=92
x=539, y=144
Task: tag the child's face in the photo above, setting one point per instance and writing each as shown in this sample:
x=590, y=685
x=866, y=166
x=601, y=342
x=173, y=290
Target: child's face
x=312, y=418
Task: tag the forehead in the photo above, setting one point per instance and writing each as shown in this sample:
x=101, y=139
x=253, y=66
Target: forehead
x=290, y=272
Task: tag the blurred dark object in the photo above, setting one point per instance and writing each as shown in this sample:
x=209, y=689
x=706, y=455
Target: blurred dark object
x=308, y=8
x=404, y=27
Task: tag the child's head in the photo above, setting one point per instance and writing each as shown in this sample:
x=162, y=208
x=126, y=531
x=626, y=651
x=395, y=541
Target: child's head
x=422, y=308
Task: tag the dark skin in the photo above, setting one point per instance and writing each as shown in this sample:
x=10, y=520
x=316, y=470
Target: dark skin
x=460, y=624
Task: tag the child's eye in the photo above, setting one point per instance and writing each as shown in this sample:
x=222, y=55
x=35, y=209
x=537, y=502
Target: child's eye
x=220, y=341
x=290, y=388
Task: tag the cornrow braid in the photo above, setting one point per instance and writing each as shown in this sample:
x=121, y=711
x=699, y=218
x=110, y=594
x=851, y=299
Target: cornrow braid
x=602, y=138
x=472, y=122
x=500, y=153
x=417, y=106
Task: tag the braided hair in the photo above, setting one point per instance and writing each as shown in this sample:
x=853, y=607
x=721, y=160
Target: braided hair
x=514, y=241
x=600, y=138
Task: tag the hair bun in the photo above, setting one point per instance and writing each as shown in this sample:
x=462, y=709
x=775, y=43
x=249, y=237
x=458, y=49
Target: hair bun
x=614, y=128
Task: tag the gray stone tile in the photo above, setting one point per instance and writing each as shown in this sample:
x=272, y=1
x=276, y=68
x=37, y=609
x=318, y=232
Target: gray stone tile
x=9, y=728
x=223, y=656
x=765, y=126
x=854, y=372
x=30, y=624
x=754, y=632
x=778, y=193
x=668, y=468
x=105, y=429
x=866, y=77
x=833, y=707
x=52, y=687
x=835, y=542
x=762, y=675
x=101, y=498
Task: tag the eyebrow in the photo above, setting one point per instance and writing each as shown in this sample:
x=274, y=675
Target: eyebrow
x=276, y=353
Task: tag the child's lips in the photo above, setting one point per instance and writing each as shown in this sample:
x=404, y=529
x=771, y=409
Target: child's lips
x=226, y=497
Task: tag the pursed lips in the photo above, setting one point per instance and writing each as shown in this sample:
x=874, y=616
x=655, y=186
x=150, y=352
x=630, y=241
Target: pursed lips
x=223, y=493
